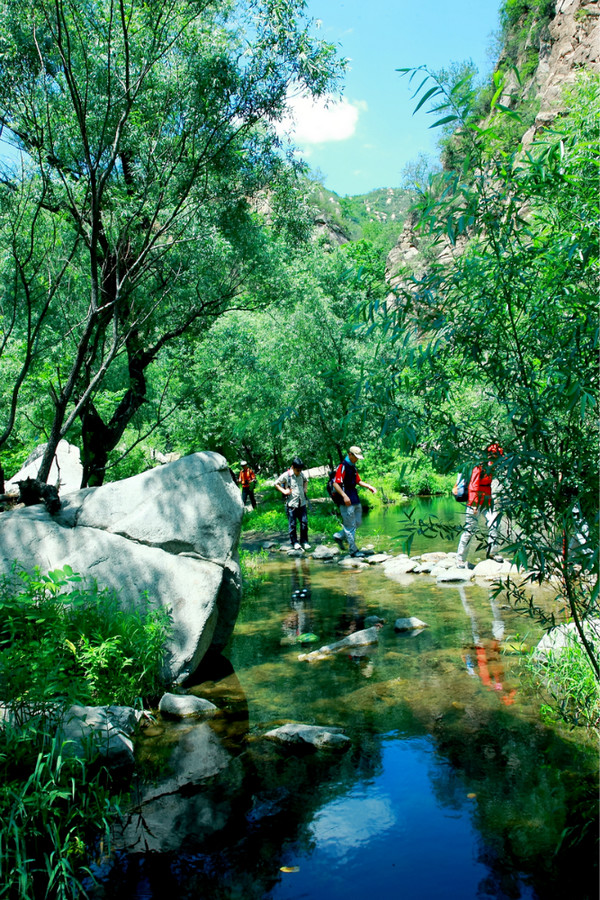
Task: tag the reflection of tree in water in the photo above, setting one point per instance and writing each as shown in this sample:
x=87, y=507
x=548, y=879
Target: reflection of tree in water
x=533, y=808
x=250, y=823
x=352, y=616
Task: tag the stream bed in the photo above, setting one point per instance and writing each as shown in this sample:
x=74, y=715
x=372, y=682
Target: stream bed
x=453, y=786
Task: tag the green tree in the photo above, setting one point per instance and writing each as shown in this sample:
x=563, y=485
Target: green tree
x=147, y=133
x=506, y=320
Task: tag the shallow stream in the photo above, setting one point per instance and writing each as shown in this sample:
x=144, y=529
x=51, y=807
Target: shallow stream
x=453, y=786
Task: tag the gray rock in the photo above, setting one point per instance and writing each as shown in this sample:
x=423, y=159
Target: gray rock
x=562, y=637
x=370, y=621
x=455, y=575
x=409, y=624
x=171, y=533
x=350, y=562
x=181, y=706
x=378, y=558
x=66, y=470
x=323, y=552
x=321, y=738
x=490, y=570
x=99, y=733
x=400, y=565
x=434, y=556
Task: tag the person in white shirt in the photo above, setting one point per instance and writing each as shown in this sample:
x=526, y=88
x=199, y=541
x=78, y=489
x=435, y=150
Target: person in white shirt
x=292, y=484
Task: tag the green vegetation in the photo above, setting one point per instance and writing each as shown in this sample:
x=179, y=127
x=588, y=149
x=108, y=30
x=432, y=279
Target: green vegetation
x=567, y=682
x=149, y=146
x=164, y=288
x=500, y=340
x=62, y=641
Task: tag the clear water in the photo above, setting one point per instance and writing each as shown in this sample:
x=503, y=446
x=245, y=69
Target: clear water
x=453, y=786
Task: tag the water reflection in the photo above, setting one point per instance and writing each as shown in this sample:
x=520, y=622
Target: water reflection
x=483, y=658
x=453, y=787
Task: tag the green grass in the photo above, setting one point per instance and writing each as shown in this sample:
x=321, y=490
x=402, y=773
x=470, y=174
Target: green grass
x=568, y=684
x=62, y=641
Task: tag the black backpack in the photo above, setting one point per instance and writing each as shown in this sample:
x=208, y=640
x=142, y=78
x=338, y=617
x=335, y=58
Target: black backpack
x=331, y=490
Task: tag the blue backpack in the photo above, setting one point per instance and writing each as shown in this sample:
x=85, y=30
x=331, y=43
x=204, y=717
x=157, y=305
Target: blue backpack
x=461, y=489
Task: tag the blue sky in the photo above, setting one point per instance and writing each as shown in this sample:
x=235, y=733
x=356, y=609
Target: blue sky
x=365, y=142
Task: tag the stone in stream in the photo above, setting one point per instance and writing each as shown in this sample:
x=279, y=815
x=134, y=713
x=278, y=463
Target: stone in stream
x=192, y=796
x=357, y=639
x=351, y=562
x=100, y=733
x=400, y=565
x=409, y=624
x=491, y=569
x=181, y=706
x=452, y=575
x=298, y=736
x=378, y=558
x=324, y=552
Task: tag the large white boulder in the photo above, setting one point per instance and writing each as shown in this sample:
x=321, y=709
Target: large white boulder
x=66, y=471
x=171, y=533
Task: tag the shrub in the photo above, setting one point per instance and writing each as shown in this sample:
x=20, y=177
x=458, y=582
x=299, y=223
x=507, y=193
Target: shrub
x=567, y=680
x=62, y=640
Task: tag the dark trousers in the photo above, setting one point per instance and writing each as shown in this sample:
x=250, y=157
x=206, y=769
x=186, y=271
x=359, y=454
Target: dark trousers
x=248, y=494
x=295, y=515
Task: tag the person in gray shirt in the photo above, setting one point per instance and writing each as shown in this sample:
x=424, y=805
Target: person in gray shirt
x=292, y=485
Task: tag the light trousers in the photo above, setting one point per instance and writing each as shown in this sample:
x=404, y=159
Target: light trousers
x=492, y=521
x=351, y=519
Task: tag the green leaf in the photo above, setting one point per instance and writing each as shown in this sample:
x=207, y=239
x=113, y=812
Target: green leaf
x=444, y=121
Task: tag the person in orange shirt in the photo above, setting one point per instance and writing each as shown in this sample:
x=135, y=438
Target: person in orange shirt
x=480, y=502
x=247, y=480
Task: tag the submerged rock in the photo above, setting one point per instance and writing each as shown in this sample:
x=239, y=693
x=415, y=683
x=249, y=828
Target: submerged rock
x=192, y=797
x=409, y=624
x=357, y=639
x=303, y=736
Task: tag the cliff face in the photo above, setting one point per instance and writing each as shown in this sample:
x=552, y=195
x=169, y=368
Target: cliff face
x=574, y=44
x=571, y=43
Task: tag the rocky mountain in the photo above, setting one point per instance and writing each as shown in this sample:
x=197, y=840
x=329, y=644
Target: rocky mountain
x=342, y=219
x=547, y=42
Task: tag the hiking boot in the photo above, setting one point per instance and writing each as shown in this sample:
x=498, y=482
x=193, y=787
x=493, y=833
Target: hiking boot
x=358, y=554
x=306, y=546
x=297, y=547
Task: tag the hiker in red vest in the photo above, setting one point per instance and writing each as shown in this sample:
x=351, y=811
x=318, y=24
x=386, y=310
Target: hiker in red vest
x=481, y=502
x=247, y=480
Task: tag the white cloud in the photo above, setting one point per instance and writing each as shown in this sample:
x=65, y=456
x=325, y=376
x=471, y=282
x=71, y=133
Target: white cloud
x=352, y=822
x=320, y=121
